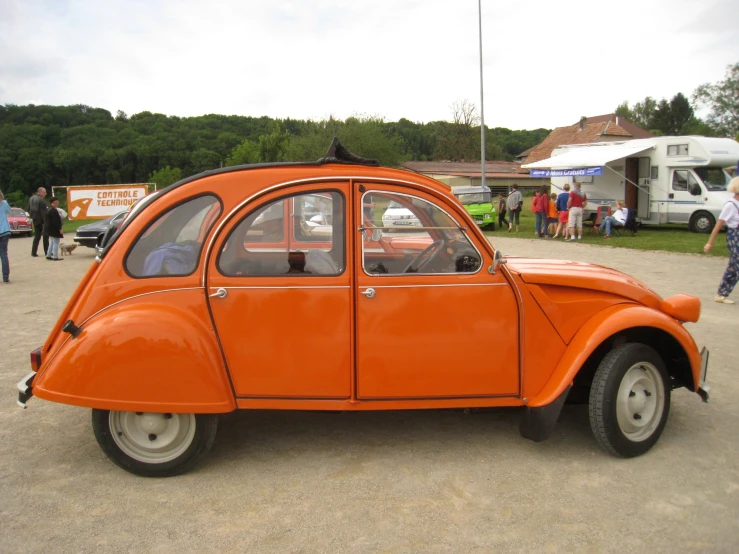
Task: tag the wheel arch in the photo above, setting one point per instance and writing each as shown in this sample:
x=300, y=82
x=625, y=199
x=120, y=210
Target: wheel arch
x=140, y=356
x=618, y=325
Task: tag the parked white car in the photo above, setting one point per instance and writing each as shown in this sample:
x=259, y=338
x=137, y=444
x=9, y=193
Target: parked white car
x=399, y=216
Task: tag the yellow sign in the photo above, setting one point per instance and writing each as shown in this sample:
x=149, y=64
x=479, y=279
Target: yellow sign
x=99, y=202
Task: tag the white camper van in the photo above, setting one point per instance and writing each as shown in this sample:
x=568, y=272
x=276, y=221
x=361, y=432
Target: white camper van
x=665, y=179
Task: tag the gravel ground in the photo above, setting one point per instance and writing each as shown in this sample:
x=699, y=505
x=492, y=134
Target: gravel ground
x=377, y=482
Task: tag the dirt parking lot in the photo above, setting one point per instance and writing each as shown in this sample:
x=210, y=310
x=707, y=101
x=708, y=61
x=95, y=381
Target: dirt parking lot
x=385, y=482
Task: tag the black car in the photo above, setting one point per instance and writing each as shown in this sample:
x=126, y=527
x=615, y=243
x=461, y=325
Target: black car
x=87, y=235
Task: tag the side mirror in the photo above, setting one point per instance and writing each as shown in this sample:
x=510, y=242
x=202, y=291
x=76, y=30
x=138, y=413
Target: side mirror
x=497, y=261
x=695, y=189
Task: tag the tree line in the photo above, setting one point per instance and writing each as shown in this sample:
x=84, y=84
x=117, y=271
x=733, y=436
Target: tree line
x=75, y=145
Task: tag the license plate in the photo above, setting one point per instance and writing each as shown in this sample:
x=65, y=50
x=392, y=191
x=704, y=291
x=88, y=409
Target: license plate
x=403, y=223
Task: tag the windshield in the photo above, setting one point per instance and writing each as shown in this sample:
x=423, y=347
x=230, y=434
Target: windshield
x=17, y=211
x=474, y=198
x=715, y=178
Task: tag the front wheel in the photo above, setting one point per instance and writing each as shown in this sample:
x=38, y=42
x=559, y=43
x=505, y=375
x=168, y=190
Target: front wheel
x=629, y=400
x=153, y=444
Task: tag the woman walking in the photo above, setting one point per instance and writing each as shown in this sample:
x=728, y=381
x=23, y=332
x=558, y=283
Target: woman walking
x=730, y=216
x=4, y=237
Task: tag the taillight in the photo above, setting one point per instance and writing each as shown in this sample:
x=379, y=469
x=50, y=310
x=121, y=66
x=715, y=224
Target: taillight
x=36, y=359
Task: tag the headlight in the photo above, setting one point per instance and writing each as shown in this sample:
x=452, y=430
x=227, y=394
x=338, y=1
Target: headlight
x=487, y=216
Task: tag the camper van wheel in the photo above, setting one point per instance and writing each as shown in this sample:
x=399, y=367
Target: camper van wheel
x=154, y=444
x=702, y=222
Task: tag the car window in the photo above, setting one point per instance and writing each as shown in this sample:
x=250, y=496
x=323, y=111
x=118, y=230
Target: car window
x=172, y=243
x=416, y=236
x=301, y=235
x=17, y=211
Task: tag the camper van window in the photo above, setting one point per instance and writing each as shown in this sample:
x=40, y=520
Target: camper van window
x=654, y=172
x=682, y=180
x=677, y=149
x=715, y=178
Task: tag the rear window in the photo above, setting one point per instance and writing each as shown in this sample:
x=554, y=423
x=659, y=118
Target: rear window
x=172, y=243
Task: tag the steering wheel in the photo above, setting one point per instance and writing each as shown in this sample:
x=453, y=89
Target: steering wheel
x=435, y=247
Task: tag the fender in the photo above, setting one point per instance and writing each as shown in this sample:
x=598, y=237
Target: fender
x=142, y=356
x=598, y=329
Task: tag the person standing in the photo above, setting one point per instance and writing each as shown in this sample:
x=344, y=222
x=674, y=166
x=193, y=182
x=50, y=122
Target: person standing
x=53, y=230
x=501, y=211
x=562, y=212
x=575, y=205
x=4, y=237
x=552, y=213
x=368, y=209
x=729, y=216
x=541, y=211
x=37, y=208
x=515, y=203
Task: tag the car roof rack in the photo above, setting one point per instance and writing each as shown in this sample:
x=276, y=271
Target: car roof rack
x=338, y=154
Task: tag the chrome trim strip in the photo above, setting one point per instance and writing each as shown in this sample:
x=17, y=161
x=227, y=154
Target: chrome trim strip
x=136, y=296
x=290, y=287
x=459, y=228
x=430, y=286
x=262, y=192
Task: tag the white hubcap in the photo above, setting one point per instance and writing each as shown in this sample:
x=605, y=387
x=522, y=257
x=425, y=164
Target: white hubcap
x=152, y=438
x=640, y=401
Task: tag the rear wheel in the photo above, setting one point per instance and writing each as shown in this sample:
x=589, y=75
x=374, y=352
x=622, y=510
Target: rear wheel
x=629, y=400
x=702, y=222
x=154, y=444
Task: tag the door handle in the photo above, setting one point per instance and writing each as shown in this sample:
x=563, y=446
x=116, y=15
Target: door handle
x=220, y=293
x=369, y=293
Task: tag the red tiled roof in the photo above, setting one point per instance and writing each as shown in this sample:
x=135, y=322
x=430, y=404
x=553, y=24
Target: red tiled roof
x=593, y=129
x=464, y=169
x=634, y=130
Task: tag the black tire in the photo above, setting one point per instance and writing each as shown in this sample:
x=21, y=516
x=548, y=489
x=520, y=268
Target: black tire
x=648, y=398
x=702, y=222
x=199, y=445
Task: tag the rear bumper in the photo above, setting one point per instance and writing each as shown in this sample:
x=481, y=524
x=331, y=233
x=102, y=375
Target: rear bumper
x=703, y=387
x=25, y=389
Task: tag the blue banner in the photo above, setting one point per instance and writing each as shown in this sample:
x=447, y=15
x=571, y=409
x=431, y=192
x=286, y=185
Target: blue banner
x=577, y=172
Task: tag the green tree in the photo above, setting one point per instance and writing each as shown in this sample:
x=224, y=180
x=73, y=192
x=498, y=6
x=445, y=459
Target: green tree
x=245, y=153
x=722, y=99
x=165, y=176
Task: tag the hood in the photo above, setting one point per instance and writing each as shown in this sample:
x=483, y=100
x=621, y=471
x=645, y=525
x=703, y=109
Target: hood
x=101, y=225
x=584, y=276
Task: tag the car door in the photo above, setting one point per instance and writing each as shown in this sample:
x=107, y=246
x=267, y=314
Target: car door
x=282, y=308
x=685, y=195
x=432, y=321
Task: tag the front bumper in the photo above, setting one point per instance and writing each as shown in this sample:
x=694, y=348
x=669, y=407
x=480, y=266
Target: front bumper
x=703, y=387
x=25, y=389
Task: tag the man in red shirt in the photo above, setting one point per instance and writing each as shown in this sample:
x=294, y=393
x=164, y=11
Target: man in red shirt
x=540, y=206
x=575, y=204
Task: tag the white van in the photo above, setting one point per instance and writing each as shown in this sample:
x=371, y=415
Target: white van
x=665, y=179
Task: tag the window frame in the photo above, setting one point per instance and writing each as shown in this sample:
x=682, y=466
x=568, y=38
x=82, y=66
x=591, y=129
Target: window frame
x=677, y=148
x=288, y=235
x=461, y=228
x=156, y=218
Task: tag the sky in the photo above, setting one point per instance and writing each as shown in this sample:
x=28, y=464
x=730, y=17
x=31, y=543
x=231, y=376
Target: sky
x=545, y=63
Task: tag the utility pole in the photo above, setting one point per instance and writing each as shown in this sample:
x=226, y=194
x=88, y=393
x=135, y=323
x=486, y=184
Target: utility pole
x=482, y=109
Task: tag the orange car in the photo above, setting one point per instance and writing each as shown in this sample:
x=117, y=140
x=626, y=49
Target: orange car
x=267, y=287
